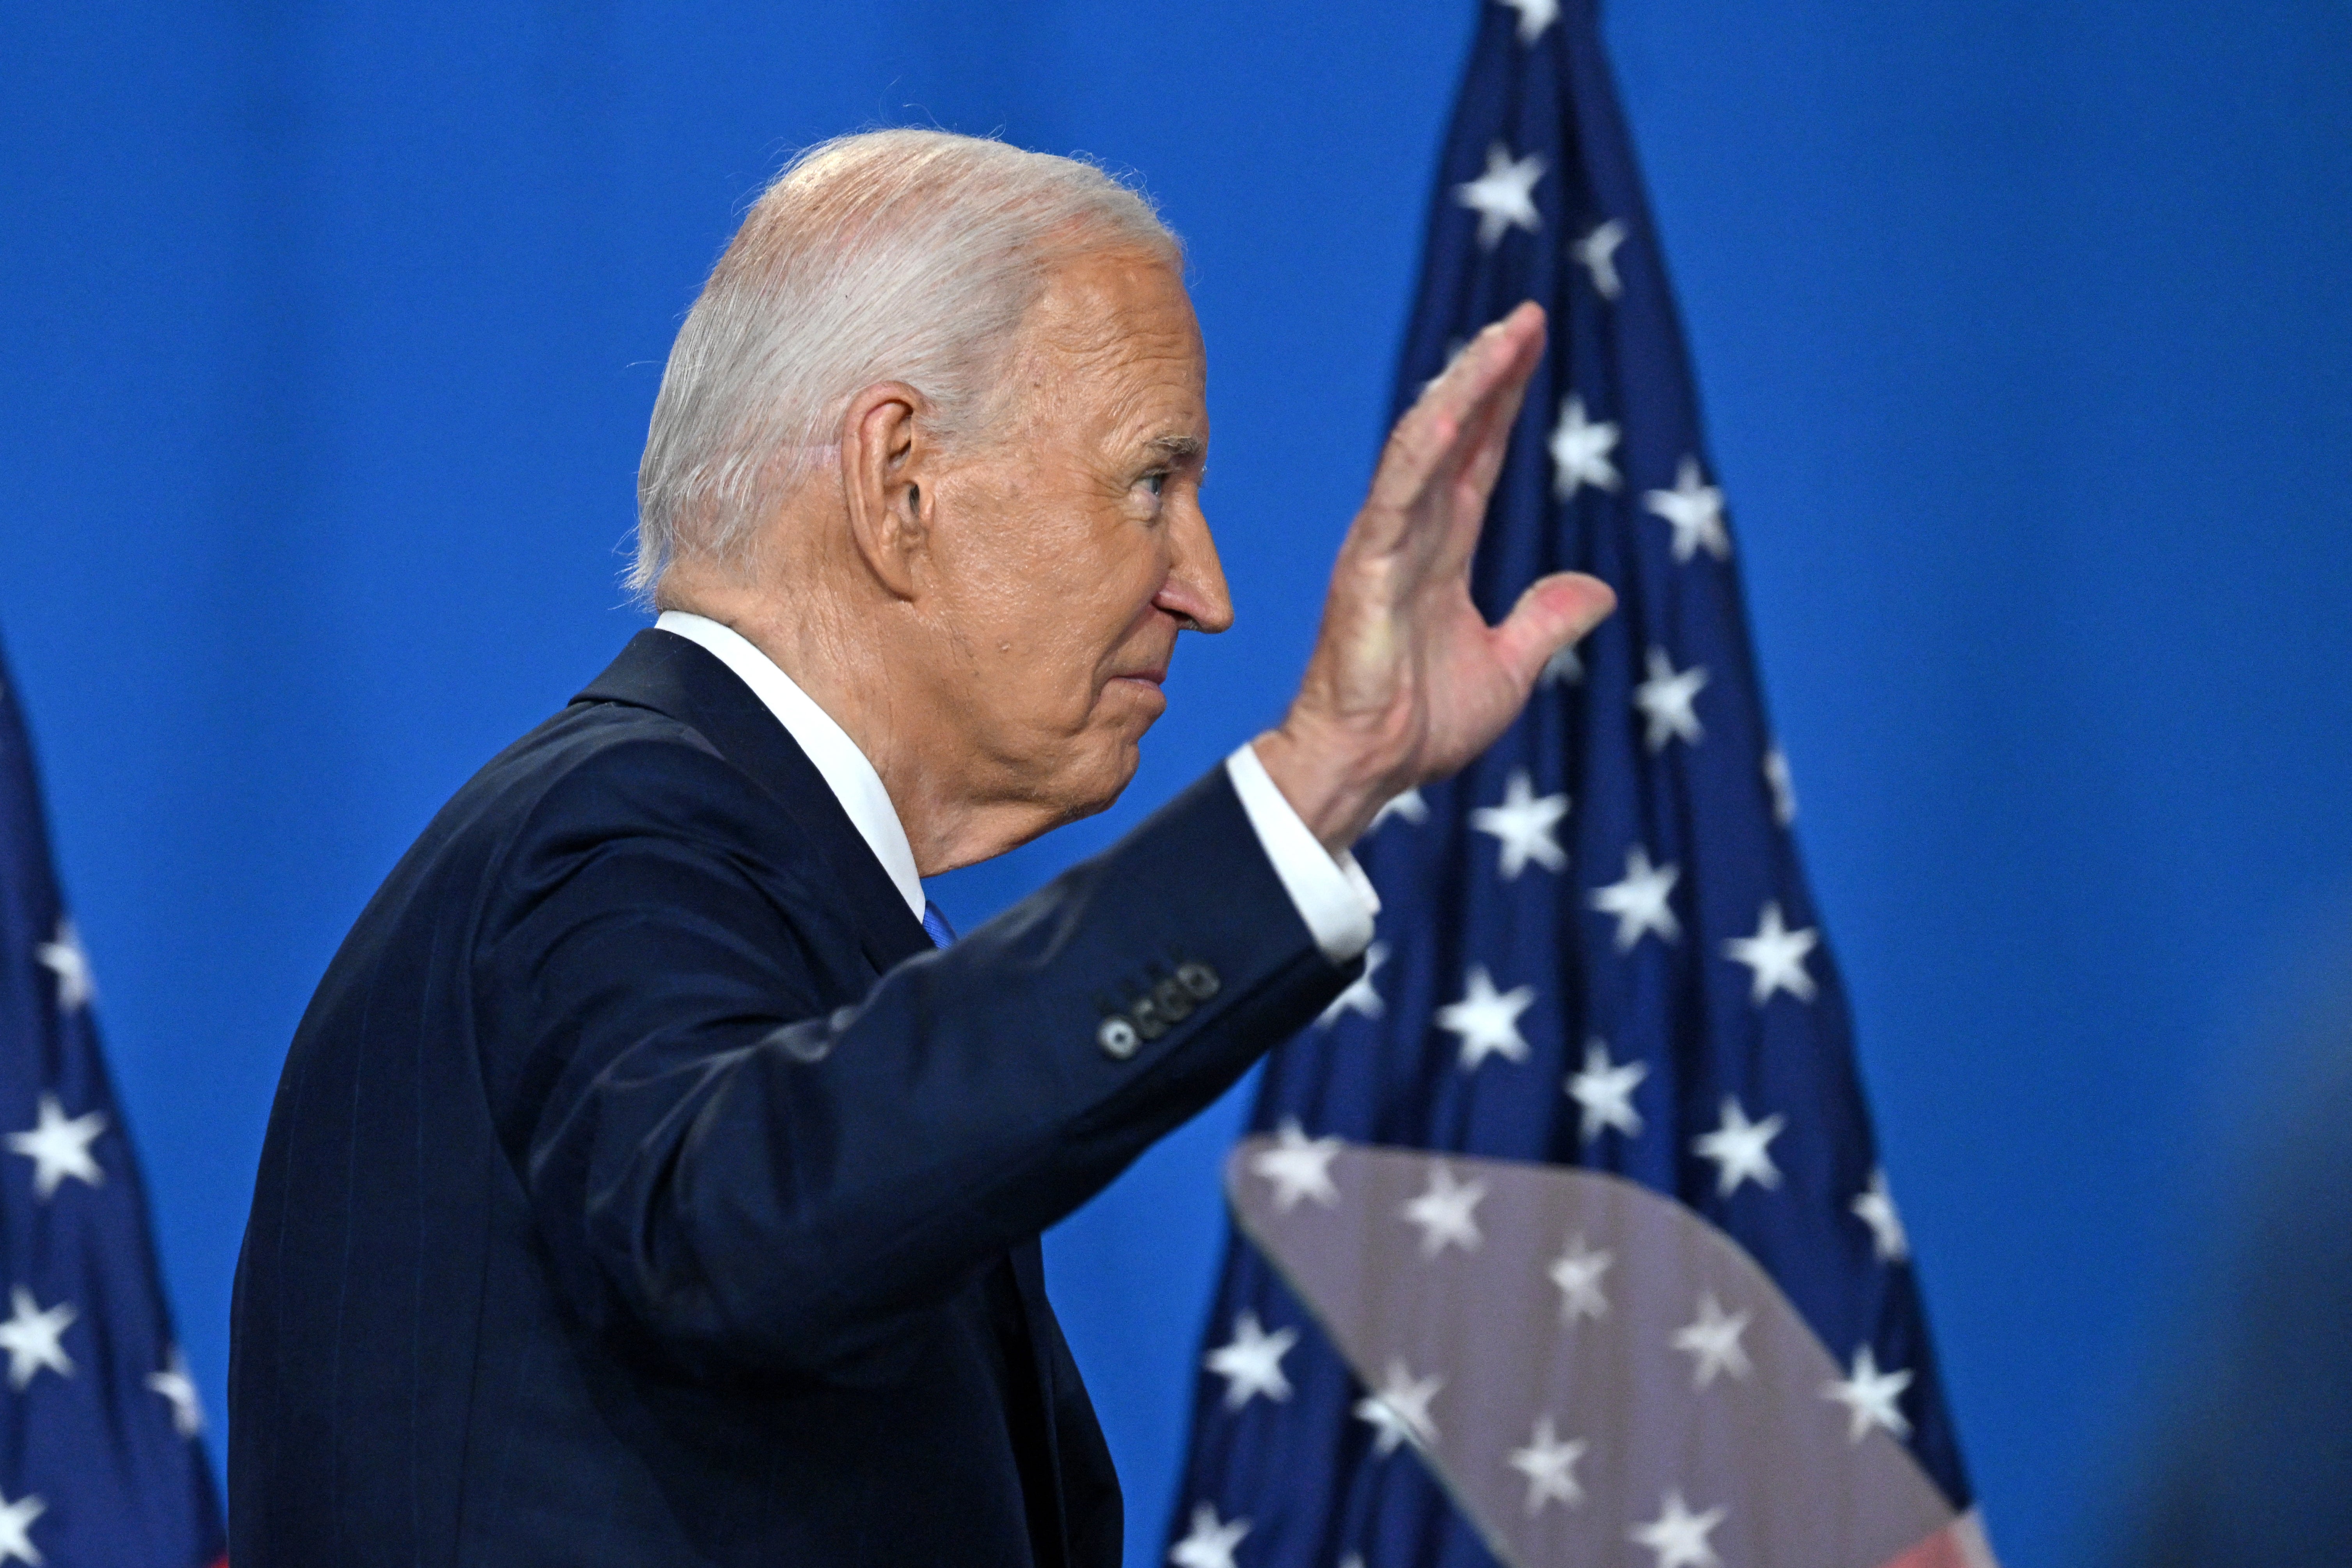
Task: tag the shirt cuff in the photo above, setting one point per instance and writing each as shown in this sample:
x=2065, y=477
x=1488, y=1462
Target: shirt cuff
x=1332, y=894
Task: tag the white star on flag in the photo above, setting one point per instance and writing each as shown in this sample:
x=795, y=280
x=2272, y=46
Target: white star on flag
x=1869, y=1397
x=1362, y=996
x=1523, y=825
x=1211, y=1543
x=65, y=958
x=1639, y=901
x=1580, y=451
x=1777, y=954
x=1597, y=254
x=1503, y=196
x=1549, y=1466
x=1399, y=1413
x=1298, y=1166
x=1408, y=806
x=1712, y=1341
x=1446, y=1213
x=1783, y=788
x=1487, y=1020
x=1604, y=1092
x=1666, y=699
x=30, y=1336
x=1679, y=1536
x=1534, y=15
x=175, y=1384
x=1563, y=665
x=1577, y=1272
x=1874, y=1207
x=1694, y=510
x=1252, y=1364
x=59, y=1146
x=1742, y=1149
x=16, y=1526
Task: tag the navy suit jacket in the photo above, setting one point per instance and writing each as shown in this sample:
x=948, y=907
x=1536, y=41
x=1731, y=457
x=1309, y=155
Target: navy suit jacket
x=643, y=1189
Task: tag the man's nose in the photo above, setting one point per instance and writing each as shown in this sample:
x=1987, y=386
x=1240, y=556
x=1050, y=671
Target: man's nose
x=1195, y=588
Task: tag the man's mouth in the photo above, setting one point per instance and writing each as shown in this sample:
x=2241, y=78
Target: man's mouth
x=1152, y=674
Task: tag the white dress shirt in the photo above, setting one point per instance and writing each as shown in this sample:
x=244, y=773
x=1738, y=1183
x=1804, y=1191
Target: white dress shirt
x=1332, y=894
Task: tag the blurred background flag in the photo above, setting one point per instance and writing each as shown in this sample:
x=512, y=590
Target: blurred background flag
x=102, y=1457
x=1564, y=1234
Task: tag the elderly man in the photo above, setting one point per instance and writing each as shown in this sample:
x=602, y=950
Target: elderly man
x=651, y=1182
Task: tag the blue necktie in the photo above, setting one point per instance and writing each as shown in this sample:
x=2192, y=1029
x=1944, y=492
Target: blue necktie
x=935, y=921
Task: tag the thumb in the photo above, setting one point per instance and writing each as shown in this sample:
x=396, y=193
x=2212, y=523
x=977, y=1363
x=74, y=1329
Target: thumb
x=1554, y=612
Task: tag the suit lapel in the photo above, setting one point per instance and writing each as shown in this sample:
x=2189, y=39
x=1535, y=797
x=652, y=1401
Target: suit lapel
x=684, y=680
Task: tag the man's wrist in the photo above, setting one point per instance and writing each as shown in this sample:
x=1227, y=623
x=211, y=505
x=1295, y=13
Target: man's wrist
x=1329, y=890
x=1333, y=800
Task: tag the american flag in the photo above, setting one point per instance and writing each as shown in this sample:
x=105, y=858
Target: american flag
x=101, y=1455
x=1563, y=1234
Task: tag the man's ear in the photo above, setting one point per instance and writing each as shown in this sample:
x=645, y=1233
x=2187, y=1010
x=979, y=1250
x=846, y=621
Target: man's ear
x=888, y=458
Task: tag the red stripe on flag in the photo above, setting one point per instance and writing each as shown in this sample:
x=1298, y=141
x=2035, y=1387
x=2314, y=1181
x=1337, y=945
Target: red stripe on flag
x=1960, y=1544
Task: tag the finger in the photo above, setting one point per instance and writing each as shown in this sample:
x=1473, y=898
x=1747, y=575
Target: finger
x=1483, y=452
x=1515, y=350
x=1496, y=406
x=1484, y=455
x=1554, y=612
x=1502, y=350
x=1428, y=443
x=1425, y=498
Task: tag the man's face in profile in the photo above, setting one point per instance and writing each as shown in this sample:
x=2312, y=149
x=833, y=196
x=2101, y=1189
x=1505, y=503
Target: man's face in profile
x=1070, y=540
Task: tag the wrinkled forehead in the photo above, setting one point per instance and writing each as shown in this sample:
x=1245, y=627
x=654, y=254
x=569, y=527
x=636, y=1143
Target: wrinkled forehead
x=1112, y=346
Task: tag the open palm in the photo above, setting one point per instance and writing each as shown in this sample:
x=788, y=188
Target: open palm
x=1408, y=682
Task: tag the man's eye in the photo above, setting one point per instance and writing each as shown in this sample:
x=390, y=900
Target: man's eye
x=1156, y=480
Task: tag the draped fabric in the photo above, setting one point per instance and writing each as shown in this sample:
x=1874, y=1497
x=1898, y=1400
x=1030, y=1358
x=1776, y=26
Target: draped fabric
x=102, y=1426
x=1598, y=947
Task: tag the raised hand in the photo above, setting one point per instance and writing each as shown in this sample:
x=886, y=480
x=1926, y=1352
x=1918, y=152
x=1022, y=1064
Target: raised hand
x=1408, y=682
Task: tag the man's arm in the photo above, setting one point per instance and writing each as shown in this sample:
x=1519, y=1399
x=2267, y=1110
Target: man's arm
x=753, y=1183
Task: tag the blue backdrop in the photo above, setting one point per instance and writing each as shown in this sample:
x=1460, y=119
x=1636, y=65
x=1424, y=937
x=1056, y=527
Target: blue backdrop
x=328, y=334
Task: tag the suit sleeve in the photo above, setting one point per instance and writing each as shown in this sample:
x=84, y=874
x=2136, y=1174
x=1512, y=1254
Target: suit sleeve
x=715, y=1162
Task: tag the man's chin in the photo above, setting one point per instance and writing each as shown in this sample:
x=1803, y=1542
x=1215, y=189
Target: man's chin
x=1077, y=788
x=1096, y=788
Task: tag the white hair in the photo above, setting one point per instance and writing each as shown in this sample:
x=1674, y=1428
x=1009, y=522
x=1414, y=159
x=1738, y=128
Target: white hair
x=908, y=255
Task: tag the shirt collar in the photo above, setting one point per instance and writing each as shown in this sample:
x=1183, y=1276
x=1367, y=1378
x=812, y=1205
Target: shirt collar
x=846, y=772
